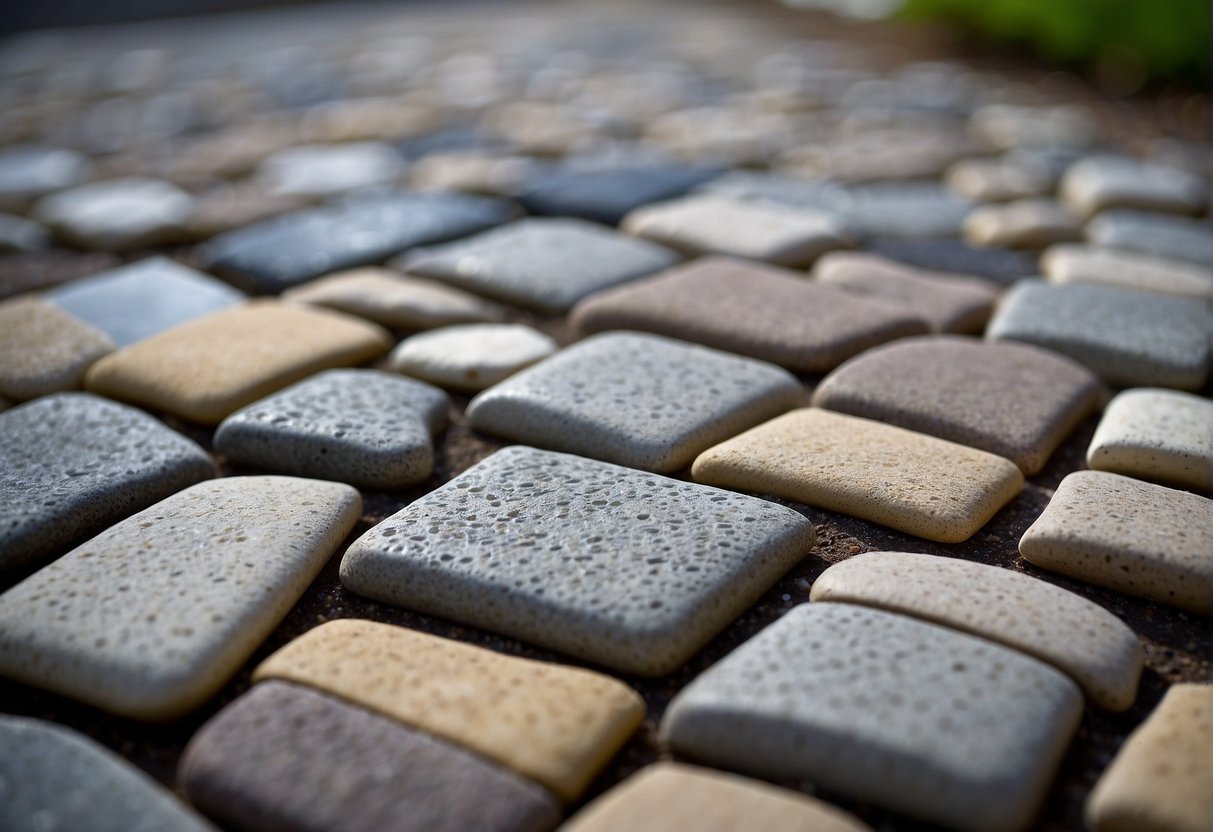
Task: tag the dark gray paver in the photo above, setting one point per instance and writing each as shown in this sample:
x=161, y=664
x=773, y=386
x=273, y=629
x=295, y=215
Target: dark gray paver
x=1002, y=265
x=605, y=195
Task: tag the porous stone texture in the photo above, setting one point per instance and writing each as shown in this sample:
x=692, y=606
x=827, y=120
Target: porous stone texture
x=72, y=464
x=117, y=215
x=1159, y=235
x=276, y=254
x=365, y=427
x=151, y=617
x=1014, y=400
x=44, y=349
x=205, y=369
x=710, y=224
x=1024, y=223
x=948, y=303
x=999, y=179
x=905, y=480
x=607, y=194
x=1159, y=781
x=327, y=170
x=394, y=300
x=28, y=172
x=1080, y=638
x=1157, y=435
x=1130, y=339
x=555, y=724
x=966, y=734
x=52, y=778
x=538, y=263
x=620, y=567
x=667, y=796
x=1001, y=265
x=284, y=756
x=1131, y=536
x=1100, y=183
x=752, y=309
x=136, y=301
x=638, y=400
x=1069, y=263
x=471, y=357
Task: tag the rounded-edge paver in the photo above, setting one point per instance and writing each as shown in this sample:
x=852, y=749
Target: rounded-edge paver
x=1157, y=435
x=471, y=357
x=44, y=349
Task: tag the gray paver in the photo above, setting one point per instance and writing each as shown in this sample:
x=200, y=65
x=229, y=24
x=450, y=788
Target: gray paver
x=1160, y=235
x=1100, y=183
x=117, y=215
x=30, y=171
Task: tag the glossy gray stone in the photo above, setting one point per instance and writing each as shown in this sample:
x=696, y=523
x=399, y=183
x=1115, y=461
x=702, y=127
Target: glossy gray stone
x=1160, y=235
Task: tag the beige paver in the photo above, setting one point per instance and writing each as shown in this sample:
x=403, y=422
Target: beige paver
x=44, y=349
x=1025, y=223
x=1158, y=435
x=1073, y=263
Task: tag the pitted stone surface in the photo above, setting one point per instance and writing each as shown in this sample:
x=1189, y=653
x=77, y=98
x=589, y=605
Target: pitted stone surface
x=1128, y=338
x=1014, y=400
x=1081, y=639
x=947, y=302
x=117, y=215
x=276, y=254
x=133, y=302
x=667, y=796
x=1156, y=435
x=888, y=710
x=205, y=369
x=751, y=309
x=151, y=617
x=28, y=172
x=1125, y=270
x=52, y=778
x=365, y=427
x=638, y=400
x=327, y=170
x=73, y=464
x=1100, y=183
x=905, y=480
x=1159, y=235
x=394, y=300
x=44, y=349
x=545, y=264
x=471, y=357
x=1002, y=265
x=620, y=567
x=1159, y=780
x=555, y=724
x=606, y=195
x=1024, y=223
x=284, y=756
x=1131, y=536
x=710, y=224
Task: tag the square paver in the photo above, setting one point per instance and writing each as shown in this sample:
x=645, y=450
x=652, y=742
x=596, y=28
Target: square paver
x=1130, y=339
x=545, y=264
x=638, y=400
x=620, y=567
x=1014, y=400
x=606, y=195
x=1157, y=435
x=752, y=309
x=885, y=709
x=902, y=479
x=44, y=349
x=133, y=302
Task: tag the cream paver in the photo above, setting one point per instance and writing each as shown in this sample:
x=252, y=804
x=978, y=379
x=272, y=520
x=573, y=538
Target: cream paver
x=1024, y=223
x=1157, y=435
x=471, y=357
x=45, y=350
x=1075, y=263
x=1101, y=183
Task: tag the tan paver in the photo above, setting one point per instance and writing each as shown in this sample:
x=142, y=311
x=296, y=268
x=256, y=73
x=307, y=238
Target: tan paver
x=1073, y=263
x=1157, y=435
x=1025, y=223
x=44, y=349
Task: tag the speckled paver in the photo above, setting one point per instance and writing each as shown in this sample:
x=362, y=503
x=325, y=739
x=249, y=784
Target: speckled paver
x=1160, y=235
x=1068, y=263
x=638, y=400
x=279, y=253
x=393, y=300
x=555, y=724
x=1024, y=223
x=905, y=480
x=44, y=349
x=888, y=710
x=52, y=778
x=117, y=215
x=606, y=195
x=284, y=756
x=948, y=303
x=134, y=302
x=72, y=464
x=669, y=796
x=1159, y=780
x=1135, y=537
x=1157, y=435
x=710, y=224
x=1014, y=400
x=471, y=357
x=1130, y=339
x=624, y=568
x=326, y=170
x=1078, y=637
x=751, y=309
x=30, y=171
x=206, y=369
x=365, y=427
x=1100, y=183
x=544, y=264
x=151, y=617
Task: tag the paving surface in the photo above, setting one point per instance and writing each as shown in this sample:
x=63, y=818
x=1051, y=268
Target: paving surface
x=687, y=171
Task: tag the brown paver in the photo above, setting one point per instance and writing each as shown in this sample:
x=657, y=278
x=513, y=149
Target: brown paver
x=44, y=349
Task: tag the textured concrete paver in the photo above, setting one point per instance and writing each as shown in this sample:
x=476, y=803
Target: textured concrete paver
x=1157, y=435
x=44, y=349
